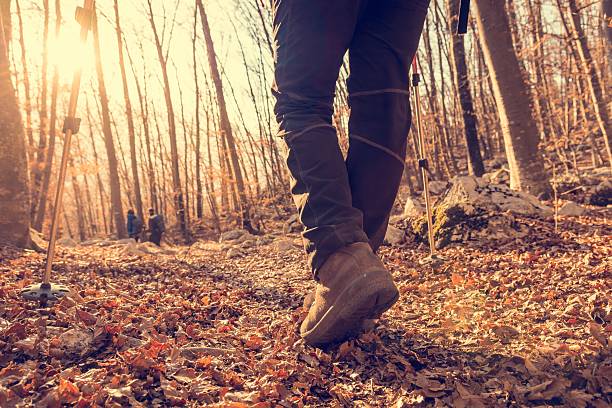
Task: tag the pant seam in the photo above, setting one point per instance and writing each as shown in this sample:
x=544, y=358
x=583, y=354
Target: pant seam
x=381, y=91
x=289, y=138
x=376, y=145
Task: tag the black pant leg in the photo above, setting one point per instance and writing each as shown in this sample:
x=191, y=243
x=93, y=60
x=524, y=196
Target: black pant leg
x=311, y=39
x=384, y=44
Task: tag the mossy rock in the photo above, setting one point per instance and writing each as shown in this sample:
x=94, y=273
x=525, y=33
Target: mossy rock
x=447, y=220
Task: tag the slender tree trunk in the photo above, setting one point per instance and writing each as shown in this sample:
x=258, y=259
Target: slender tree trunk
x=43, y=119
x=115, y=186
x=598, y=100
x=199, y=201
x=176, y=179
x=226, y=127
x=462, y=84
x=27, y=103
x=129, y=116
x=14, y=194
x=513, y=100
x=46, y=176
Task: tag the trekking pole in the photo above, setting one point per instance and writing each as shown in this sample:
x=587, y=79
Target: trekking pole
x=46, y=291
x=433, y=258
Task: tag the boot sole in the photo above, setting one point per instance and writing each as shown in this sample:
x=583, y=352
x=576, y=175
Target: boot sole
x=367, y=298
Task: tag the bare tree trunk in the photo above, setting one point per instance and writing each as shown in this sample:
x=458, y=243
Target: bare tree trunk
x=462, y=84
x=115, y=186
x=129, y=115
x=27, y=105
x=513, y=100
x=599, y=103
x=199, y=201
x=14, y=194
x=226, y=127
x=176, y=179
x=46, y=176
x=606, y=9
x=43, y=124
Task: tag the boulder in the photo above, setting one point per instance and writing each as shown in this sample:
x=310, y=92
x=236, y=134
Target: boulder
x=472, y=209
x=67, y=242
x=500, y=176
x=602, y=196
x=284, y=245
x=437, y=187
x=235, y=252
x=126, y=241
x=571, y=209
x=292, y=225
x=394, y=235
x=232, y=235
x=413, y=208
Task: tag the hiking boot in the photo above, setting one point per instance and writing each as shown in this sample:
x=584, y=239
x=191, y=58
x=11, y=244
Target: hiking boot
x=354, y=286
x=367, y=325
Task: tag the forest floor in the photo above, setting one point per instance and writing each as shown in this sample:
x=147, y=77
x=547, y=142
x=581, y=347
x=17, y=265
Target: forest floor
x=520, y=323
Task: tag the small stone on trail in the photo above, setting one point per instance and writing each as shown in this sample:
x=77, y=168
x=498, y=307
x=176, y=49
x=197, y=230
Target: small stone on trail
x=235, y=253
x=232, y=235
x=394, y=235
x=572, y=209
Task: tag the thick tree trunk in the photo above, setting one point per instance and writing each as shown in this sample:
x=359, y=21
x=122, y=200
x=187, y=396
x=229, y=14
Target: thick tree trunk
x=226, y=127
x=115, y=186
x=130, y=117
x=513, y=100
x=462, y=84
x=14, y=183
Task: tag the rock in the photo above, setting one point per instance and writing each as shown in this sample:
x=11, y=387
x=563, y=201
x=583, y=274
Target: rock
x=234, y=252
x=571, y=209
x=413, y=208
x=248, y=243
x=76, y=341
x=437, y=187
x=473, y=209
x=284, y=245
x=39, y=243
x=474, y=192
x=66, y=242
x=126, y=241
x=232, y=235
x=149, y=248
x=263, y=240
x=500, y=176
x=292, y=225
x=602, y=196
x=394, y=235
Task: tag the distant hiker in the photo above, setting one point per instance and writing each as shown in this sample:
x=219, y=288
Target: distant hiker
x=156, y=227
x=344, y=205
x=134, y=225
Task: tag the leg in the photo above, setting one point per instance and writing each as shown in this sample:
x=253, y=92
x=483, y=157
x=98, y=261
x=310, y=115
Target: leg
x=311, y=38
x=384, y=44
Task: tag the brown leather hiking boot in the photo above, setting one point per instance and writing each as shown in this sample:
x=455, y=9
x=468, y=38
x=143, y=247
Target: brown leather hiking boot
x=354, y=286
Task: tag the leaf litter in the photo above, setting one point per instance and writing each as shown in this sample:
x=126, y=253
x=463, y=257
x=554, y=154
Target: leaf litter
x=526, y=323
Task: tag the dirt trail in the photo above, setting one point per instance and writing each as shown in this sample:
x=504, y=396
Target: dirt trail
x=516, y=324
